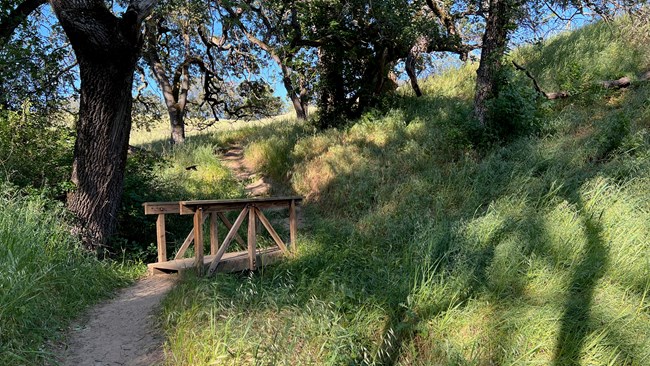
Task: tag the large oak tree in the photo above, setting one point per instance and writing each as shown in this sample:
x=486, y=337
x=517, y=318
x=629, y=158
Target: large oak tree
x=107, y=48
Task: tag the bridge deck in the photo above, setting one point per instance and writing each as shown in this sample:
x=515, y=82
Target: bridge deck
x=230, y=262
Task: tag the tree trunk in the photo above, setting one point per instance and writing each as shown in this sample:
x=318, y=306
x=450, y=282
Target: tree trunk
x=107, y=49
x=301, y=110
x=101, y=148
x=413, y=77
x=494, y=43
x=298, y=100
x=172, y=91
x=414, y=54
x=177, y=122
x=294, y=96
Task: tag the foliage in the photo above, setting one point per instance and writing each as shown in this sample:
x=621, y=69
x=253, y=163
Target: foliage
x=36, y=65
x=46, y=279
x=515, y=111
x=360, y=42
x=35, y=152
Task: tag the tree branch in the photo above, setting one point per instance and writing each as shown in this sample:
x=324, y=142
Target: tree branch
x=550, y=96
x=620, y=83
x=9, y=23
x=142, y=8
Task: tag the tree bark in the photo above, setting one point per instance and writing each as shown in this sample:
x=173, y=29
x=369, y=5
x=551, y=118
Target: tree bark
x=177, y=122
x=175, y=95
x=107, y=49
x=494, y=44
x=414, y=54
x=298, y=99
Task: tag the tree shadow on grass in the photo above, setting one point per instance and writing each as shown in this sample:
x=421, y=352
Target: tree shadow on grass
x=576, y=318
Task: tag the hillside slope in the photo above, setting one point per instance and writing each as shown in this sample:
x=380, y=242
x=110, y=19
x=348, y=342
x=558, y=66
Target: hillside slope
x=432, y=243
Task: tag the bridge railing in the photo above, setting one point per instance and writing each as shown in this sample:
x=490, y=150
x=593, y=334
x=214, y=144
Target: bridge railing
x=215, y=209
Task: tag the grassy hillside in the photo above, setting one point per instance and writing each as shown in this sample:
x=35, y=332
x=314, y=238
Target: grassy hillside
x=430, y=243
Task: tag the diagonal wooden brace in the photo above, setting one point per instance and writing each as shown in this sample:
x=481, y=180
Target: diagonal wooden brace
x=226, y=241
x=187, y=242
x=271, y=231
x=226, y=222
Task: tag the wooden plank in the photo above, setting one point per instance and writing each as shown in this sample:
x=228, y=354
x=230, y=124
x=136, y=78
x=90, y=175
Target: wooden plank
x=226, y=241
x=161, y=240
x=271, y=230
x=252, y=238
x=230, y=262
x=293, y=225
x=214, y=234
x=188, y=207
x=241, y=200
x=154, y=208
x=186, y=243
x=226, y=222
x=198, y=241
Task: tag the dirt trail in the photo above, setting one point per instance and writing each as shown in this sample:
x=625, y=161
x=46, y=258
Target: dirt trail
x=233, y=158
x=120, y=331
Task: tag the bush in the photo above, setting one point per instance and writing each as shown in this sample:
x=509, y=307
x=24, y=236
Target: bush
x=514, y=112
x=35, y=152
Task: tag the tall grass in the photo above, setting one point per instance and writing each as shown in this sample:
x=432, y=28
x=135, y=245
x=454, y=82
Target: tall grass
x=424, y=247
x=45, y=278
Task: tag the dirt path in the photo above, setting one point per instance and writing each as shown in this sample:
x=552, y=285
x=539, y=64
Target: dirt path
x=233, y=158
x=120, y=331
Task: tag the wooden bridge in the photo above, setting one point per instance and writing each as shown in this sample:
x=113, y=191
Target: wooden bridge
x=219, y=259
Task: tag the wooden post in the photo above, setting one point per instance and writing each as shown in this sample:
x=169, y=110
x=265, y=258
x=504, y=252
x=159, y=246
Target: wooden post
x=252, y=238
x=293, y=225
x=161, y=239
x=214, y=234
x=198, y=240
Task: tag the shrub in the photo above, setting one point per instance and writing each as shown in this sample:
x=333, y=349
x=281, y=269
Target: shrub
x=34, y=151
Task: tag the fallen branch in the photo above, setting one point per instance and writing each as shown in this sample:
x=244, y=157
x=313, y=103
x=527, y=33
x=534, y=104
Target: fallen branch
x=625, y=81
x=550, y=96
x=621, y=83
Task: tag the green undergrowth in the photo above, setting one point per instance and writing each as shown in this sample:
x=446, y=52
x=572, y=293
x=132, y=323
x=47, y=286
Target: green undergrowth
x=162, y=173
x=46, y=280
x=428, y=242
